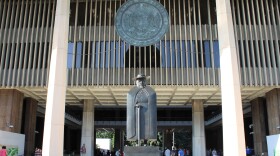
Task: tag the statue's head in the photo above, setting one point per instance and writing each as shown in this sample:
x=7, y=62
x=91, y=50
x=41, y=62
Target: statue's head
x=140, y=80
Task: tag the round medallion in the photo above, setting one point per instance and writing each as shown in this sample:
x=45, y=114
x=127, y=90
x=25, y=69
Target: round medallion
x=141, y=22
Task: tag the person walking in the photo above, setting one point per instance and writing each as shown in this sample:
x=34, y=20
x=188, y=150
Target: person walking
x=3, y=151
x=173, y=152
x=118, y=153
x=180, y=152
x=167, y=152
x=214, y=152
x=187, y=152
x=83, y=149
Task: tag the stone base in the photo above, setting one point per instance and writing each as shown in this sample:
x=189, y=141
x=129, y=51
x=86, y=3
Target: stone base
x=142, y=151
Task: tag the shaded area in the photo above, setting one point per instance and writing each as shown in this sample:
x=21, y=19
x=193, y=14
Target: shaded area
x=140, y=57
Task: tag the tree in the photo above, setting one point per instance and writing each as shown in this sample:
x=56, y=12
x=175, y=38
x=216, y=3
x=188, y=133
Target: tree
x=107, y=134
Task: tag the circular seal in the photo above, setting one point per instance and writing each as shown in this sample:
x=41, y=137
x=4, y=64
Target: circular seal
x=141, y=22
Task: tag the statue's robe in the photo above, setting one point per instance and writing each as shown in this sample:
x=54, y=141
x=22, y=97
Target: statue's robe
x=146, y=98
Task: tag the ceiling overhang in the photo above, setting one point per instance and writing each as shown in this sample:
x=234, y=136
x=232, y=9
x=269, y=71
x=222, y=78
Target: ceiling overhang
x=115, y=96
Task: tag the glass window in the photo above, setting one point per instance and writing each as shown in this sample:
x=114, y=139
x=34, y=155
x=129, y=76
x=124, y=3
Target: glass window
x=216, y=54
x=165, y=54
x=77, y=54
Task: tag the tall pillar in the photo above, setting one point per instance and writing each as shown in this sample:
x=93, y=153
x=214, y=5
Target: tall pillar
x=40, y=128
x=259, y=128
x=122, y=138
x=198, y=128
x=88, y=127
x=11, y=102
x=55, y=107
x=118, y=139
x=214, y=138
x=94, y=141
x=273, y=112
x=67, y=139
x=168, y=138
x=233, y=126
x=118, y=131
x=30, y=109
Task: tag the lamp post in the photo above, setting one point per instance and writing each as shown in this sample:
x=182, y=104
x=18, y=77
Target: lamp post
x=138, y=123
x=173, y=142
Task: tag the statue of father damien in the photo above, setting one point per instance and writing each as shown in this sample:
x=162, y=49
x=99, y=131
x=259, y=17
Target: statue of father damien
x=141, y=111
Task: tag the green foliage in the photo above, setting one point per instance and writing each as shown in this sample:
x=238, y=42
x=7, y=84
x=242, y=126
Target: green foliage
x=12, y=151
x=158, y=142
x=106, y=134
x=183, y=139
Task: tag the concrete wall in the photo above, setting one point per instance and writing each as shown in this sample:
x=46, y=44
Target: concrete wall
x=11, y=102
x=12, y=140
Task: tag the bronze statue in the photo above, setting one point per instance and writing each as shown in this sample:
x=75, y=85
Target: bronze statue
x=141, y=111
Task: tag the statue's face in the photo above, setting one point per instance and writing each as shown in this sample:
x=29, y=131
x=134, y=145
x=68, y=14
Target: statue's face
x=141, y=83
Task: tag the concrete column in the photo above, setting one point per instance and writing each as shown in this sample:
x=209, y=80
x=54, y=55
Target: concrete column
x=233, y=126
x=198, y=128
x=88, y=127
x=39, y=136
x=259, y=128
x=167, y=138
x=30, y=108
x=272, y=104
x=118, y=139
x=122, y=138
x=11, y=103
x=67, y=139
x=118, y=131
x=214, y=138
x=55, y=108
x=94, y=141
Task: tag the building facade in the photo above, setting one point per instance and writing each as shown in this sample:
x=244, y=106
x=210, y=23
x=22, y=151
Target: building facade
x=62, y=55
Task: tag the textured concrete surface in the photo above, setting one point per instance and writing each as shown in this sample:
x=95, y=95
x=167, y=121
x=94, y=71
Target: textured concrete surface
x=142, y=151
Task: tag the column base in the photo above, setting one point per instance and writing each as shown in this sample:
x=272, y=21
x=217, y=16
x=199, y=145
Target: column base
x=142, y=151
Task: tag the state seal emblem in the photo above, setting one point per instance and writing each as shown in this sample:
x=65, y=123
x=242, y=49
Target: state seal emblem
x=141, y=22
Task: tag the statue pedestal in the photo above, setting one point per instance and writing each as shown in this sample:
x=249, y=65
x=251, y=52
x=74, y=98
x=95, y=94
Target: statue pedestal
x=142, y=151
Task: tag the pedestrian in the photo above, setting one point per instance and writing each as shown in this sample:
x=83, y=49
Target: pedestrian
x=208, y=153
x=83, y=150
x=248, y=151
x=214, y=152
x=38, y=152
x=167, y=152
x=187, y=152
x=118, y=153
x=3, y=151
x=173, y=152
x=180, y=152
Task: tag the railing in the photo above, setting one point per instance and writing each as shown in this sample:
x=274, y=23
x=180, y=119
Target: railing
x=123, y=76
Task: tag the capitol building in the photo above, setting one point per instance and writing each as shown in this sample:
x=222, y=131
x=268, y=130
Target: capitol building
x=65, y=71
